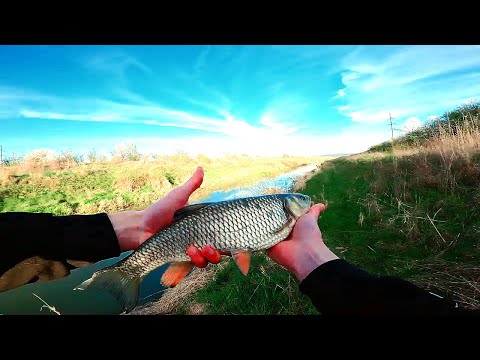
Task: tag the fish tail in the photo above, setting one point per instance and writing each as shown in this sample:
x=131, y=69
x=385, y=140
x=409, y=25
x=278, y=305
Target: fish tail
x=117, y=282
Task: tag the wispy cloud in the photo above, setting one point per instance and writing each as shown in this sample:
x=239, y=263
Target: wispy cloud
x=407, y=81
x=115, y=62
x=257, y=98
x=411, y=124
x=201, y=60
x=340, y=93
x=113, y=112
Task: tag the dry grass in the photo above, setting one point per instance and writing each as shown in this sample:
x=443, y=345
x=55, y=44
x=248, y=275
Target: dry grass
x=445, y=164
x=174, y=298
x=88, y=188
x=460, y=282
x=48, y=306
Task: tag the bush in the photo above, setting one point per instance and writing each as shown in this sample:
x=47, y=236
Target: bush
x=126, y=152
x=463, y=119
x=40, y=156
x=92, y=156
x=68, y=157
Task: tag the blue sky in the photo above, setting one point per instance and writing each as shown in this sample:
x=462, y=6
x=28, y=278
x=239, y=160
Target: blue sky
x=268, y=100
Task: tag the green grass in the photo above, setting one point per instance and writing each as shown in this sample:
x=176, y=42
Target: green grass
x=61, y=197
x=117, y=186
x=365, y=224
x=268, y=289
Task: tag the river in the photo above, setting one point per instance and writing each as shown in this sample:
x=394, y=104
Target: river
x=60, y=294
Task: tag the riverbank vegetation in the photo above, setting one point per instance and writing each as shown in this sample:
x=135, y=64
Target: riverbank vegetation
x=43, y=184
x=408, y=209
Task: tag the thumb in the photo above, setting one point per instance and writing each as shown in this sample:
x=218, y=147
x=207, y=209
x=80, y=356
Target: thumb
x=179, y=196
x=316, y=210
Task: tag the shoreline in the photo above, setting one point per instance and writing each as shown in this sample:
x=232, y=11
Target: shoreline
x=173, y=298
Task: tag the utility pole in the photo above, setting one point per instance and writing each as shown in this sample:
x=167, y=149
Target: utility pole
x=391, y=124
x=1, y=155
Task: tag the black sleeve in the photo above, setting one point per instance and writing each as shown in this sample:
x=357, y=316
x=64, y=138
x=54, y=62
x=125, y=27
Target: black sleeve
x=339, y=288
x=77, y=237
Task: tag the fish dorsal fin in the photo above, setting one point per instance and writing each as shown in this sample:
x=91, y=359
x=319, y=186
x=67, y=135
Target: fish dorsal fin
x=188, y=210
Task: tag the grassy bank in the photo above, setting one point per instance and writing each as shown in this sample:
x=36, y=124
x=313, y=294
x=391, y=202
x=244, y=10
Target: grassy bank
x=411, y=210
x=87, y=188
x=380, y=219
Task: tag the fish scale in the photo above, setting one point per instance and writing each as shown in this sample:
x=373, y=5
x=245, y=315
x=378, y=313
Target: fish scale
x=223, y=230
x=235, y=226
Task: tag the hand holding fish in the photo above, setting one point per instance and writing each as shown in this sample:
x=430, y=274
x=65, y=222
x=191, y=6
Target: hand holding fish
x=304, y=250
x=301, y=253
x=165, y=232
x=135, y=227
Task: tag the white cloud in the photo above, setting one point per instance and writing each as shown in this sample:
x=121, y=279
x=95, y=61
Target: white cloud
x=270, y=125
x=373, y=116
x=201, y=59
x=407, y=81
x=340, y=93
x=115, y=62
x=352, y=140
x=411, y=124
x=72, y=117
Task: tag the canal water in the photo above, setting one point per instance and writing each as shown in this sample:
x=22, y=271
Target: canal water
x=60, y=294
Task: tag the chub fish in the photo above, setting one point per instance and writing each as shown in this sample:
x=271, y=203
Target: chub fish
x=239, y=227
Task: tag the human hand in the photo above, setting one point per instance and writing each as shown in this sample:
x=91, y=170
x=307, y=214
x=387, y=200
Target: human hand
x=201, y=257
x=135, y=227
x=304, y=250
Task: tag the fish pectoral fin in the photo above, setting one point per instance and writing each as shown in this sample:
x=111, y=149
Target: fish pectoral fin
x=242, y=258
x=287, y=227
x=176, y=272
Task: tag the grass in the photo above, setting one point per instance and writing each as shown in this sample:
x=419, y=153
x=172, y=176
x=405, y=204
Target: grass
x=268, y=289
x=427, y=235
x=87, y=188
x=409, y=210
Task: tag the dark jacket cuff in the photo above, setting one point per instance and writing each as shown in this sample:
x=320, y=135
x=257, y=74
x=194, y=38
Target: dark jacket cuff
x=339, y=288
x=85, y=238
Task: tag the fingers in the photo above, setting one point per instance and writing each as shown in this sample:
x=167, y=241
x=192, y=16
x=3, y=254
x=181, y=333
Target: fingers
x=211, y=254
x=202, y=257
x=196, y=257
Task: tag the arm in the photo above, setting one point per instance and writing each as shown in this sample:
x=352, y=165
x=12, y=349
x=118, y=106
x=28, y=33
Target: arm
x=337, y=288
x=79, y=237
x=43, y=246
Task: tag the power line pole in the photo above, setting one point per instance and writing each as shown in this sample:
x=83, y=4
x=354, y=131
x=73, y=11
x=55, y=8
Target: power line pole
x=1, y=155
x=391, y=123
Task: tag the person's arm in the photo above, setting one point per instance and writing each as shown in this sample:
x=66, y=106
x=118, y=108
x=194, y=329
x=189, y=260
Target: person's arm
x=43, y=246
x=337, y=287
x=340, y=288
x=78, y=237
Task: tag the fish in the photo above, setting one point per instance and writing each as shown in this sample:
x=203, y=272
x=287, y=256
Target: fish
x=238, y=227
